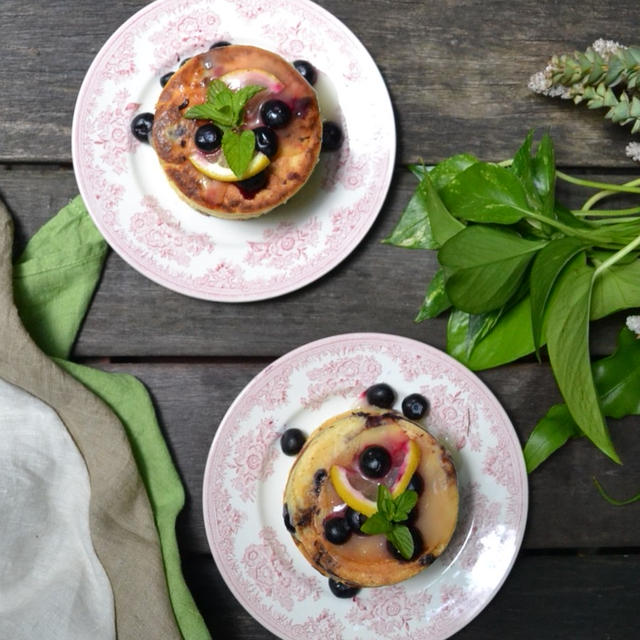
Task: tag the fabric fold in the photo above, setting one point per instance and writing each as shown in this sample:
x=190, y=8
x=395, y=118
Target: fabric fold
x=121, y=520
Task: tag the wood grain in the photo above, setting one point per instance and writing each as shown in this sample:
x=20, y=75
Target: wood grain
x=458, y=80
x=348, y=299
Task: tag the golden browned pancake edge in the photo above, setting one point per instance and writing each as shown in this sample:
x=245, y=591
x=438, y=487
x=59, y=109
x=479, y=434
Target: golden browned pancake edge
x=173, y=135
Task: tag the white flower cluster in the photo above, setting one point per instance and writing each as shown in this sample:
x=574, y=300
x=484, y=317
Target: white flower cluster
x=633, y=324
x=633, y=151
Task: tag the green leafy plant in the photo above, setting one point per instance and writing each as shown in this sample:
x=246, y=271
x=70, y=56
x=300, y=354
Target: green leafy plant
x=388, y=518
x=518, y=270
x=225, y=108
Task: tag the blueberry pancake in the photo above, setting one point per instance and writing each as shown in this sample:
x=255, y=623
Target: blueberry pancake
x=332, y=488
x=284, y=117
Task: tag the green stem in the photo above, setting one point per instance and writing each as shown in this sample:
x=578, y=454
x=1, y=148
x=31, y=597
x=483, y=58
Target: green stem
x=617, y=188
x=581, y=213
x=605, y=221
x=596, y=197
x=617, y=256
x=613, y=501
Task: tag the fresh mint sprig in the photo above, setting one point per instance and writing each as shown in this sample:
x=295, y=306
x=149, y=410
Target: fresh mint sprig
x=225, y=108
x=391, y=512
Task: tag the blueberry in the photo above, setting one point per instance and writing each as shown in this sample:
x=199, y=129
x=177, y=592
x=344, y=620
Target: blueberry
x=415, y=406
x=185, y=61
x=416, y=483
x=417, y=547
x=336, y=530
x=141, y=126
x=266, y=141
x=342, y=590
x=220, y=43
x=291, y=441
x=287, y=519
x=253, y=184
x=208, y=137
x=165, y=78
x=381, y=395
x=375, y=461
x=355, y=520
x=331, y=136
x=306, y=70
x=275, y=113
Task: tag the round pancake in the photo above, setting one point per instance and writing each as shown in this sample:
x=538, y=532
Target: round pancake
x=298, y=143
x=310, y=498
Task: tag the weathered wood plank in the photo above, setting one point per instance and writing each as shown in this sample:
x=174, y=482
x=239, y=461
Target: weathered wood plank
x=544, y=596
x=457, y=74
x=192, y=399
x=343, y=301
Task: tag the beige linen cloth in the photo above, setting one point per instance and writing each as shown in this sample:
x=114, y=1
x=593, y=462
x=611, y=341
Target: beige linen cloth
x=120, y=519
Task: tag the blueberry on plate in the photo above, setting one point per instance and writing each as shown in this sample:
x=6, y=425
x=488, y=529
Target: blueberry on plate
x=381, y=395
x=416, y=483
x=342, y=590
x=332, y=136
x=250, y=186
x=275, y=113
x=165, y=78
x=220, y=43
x=266, y=141
x=306, y=70
x=355, y=519
x=415, y=406
x=141, y=126
x=291, y=441
x=336, y=530
x=375, y=461
x=208, y=137
x=287, y=519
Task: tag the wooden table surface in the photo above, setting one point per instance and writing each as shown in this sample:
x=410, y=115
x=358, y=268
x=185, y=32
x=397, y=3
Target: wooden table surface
x=457, y=73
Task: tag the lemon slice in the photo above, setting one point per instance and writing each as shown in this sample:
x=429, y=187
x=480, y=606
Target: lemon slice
x=397, y=478
x=218, y=169
x=243, y=77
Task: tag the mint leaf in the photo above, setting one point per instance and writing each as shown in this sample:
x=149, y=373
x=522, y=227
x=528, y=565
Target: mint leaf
x=242, y=96
x=385, y=502
x=404, y=503
x=238, y=149
x=400, y=537
x=375, y=524
x=216, y=87
x=206, y=111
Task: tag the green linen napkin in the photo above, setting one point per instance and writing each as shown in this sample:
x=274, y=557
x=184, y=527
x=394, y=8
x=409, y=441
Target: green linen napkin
x=54, y=280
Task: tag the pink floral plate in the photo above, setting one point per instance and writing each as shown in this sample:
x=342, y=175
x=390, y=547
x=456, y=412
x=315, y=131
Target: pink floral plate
x=143, y=219
x=246, y=473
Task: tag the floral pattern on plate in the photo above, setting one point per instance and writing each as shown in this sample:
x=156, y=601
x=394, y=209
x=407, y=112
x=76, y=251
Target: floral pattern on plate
x=246, y=473
x=253, y=259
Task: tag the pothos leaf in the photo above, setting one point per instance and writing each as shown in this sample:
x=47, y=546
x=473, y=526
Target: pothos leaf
x=484, y=266
x=435, y=299
x=617, y=377
x=486, y=193
x=549, y=435
x=547, y=266
x=568, y=345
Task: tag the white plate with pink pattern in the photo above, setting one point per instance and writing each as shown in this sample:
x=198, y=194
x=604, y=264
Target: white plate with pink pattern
x=143, y=219
x=246, y=473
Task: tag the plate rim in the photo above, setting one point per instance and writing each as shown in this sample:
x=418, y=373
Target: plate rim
x=280, y=289
x=361, y=337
